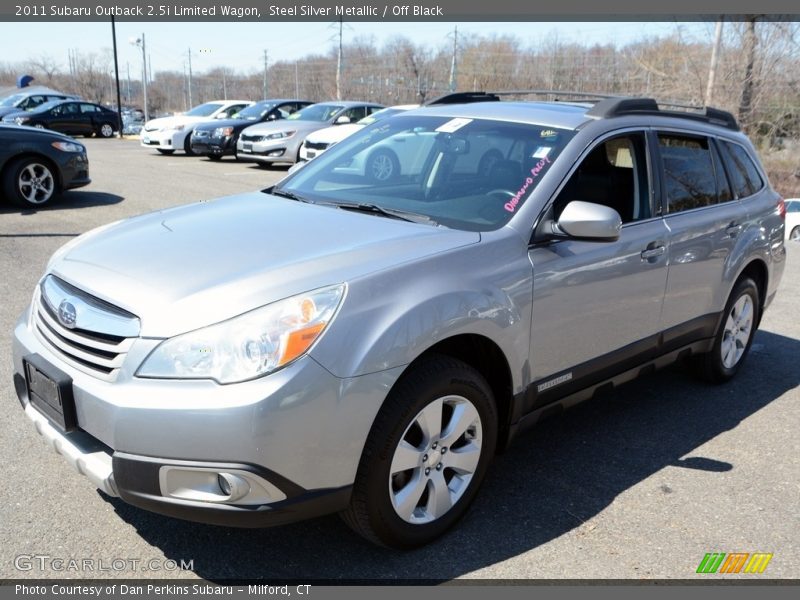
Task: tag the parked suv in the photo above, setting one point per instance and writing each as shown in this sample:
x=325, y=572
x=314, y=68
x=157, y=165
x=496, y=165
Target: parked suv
x=366, y=346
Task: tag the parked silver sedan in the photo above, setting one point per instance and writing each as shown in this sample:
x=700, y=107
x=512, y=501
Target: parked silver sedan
x=280, y=141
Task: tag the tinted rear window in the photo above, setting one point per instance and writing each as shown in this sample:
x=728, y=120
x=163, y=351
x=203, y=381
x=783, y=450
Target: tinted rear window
x=689, y=172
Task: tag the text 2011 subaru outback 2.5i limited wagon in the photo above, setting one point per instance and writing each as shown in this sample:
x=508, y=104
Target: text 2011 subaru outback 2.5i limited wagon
x=339, y=343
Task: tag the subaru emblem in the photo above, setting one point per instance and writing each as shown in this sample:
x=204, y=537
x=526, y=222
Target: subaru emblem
x=67, y=314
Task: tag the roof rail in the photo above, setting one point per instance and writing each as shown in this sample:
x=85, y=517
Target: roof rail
x=558, y=94
x=616, y=107
x=464, y=98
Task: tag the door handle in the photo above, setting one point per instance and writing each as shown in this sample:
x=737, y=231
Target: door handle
x=733, y=229
x=653, y=252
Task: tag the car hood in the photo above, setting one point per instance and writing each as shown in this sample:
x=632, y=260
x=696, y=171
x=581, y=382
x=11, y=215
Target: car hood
x=235, y=123
x=187, y=267
x=334, y=134
x=170, y=122
x=7, y=110
x=285, y=125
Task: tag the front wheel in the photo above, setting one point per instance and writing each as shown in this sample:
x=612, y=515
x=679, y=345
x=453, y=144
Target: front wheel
x=187, y=145
x=29, y=183
x=735, y=335
x=795, y=234
x=426, y=455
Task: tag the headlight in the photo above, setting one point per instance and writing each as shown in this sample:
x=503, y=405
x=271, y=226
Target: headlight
x=280, y=135
x=67, y=147
x=250, y=345
x=21, y=120
x=223, y=131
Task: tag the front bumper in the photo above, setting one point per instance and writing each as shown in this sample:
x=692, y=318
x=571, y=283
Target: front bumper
x=216, y=146
x=269, y=151
x=300, y=431
x=75, y=172
x=166, y=140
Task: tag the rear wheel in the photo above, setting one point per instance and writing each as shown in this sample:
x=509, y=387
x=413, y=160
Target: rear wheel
x=795, y=234
x=382, y=165
x=426, y=455
x=29, y=182
x=735, y=334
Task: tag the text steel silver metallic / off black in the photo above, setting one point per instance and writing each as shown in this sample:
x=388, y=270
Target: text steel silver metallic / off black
x=346, y=343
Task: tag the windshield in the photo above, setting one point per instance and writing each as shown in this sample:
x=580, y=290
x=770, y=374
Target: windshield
x=255, y=112
x=12, y=100
x=381, y=114
x=204, y=110
x=316, y=112
x=469, y=174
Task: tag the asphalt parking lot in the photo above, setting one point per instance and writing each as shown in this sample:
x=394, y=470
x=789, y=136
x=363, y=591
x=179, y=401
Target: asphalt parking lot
x=638, y=484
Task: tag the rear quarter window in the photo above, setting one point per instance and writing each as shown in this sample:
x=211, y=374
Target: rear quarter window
x=745, y=177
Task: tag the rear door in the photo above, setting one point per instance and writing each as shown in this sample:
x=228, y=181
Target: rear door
x=597, y=304
x=704, y=220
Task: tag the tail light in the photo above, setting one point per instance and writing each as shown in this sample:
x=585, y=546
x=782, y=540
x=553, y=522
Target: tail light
x=782, y=208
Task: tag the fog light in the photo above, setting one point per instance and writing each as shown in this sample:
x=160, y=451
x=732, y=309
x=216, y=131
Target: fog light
x=224, y=486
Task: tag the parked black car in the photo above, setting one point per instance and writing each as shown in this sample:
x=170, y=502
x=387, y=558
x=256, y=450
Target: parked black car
x=37, y=165
x=218, y=138
x=70, y=117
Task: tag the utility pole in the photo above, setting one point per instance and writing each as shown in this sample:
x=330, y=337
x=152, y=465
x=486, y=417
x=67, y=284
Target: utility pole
x=116, y=76
x=128, y=66
x=712, y=70
x=266, y=66
x=339, y=65
x=140, y=42
x=190, y=78
x=296, y=82
x=224, y=84
x=454, y=64
x=185, y=88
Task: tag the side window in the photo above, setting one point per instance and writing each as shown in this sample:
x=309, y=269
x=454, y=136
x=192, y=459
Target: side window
x=793, y=207
x=613, y=174
x=688, y=172
x=355, y=114
x=32, y=102
x=744, y=174
x=232, y=110
x=88, y=109
x=372, y=109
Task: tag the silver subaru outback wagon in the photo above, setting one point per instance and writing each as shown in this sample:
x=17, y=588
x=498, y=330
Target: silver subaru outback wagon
x=347, y=343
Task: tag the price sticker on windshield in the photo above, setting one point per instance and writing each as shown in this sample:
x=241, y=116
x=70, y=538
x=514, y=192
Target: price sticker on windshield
x=453, y=125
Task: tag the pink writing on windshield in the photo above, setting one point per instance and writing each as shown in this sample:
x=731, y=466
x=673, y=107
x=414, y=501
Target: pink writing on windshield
x=511, y=205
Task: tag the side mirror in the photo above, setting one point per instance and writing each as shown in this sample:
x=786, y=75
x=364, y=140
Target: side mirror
x=343, y=120
x=590, y=221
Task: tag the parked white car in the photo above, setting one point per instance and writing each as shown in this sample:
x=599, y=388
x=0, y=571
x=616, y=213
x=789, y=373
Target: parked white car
x=319, y=141
x=793, y=219
x=168, y=134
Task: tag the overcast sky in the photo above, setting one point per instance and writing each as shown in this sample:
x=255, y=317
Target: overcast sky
x=241, y=45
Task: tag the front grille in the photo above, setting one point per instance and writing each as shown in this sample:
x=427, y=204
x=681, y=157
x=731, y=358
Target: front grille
x=316, y=145
x=96, y=353
x=252, y=138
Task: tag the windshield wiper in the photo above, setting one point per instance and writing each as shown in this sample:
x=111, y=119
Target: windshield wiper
x=290, y=195
x=392, y=213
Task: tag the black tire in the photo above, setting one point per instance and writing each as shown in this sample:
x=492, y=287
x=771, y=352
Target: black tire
x=165, y=152
x=214, y=157
x=382, y=166
x=434, y=379
x=717, y=366
x=106, y=130
x=30, y=182
x=795, y=234
x=187, y=145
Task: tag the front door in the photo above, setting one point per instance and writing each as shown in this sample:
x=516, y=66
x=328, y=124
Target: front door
x=597, y=304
